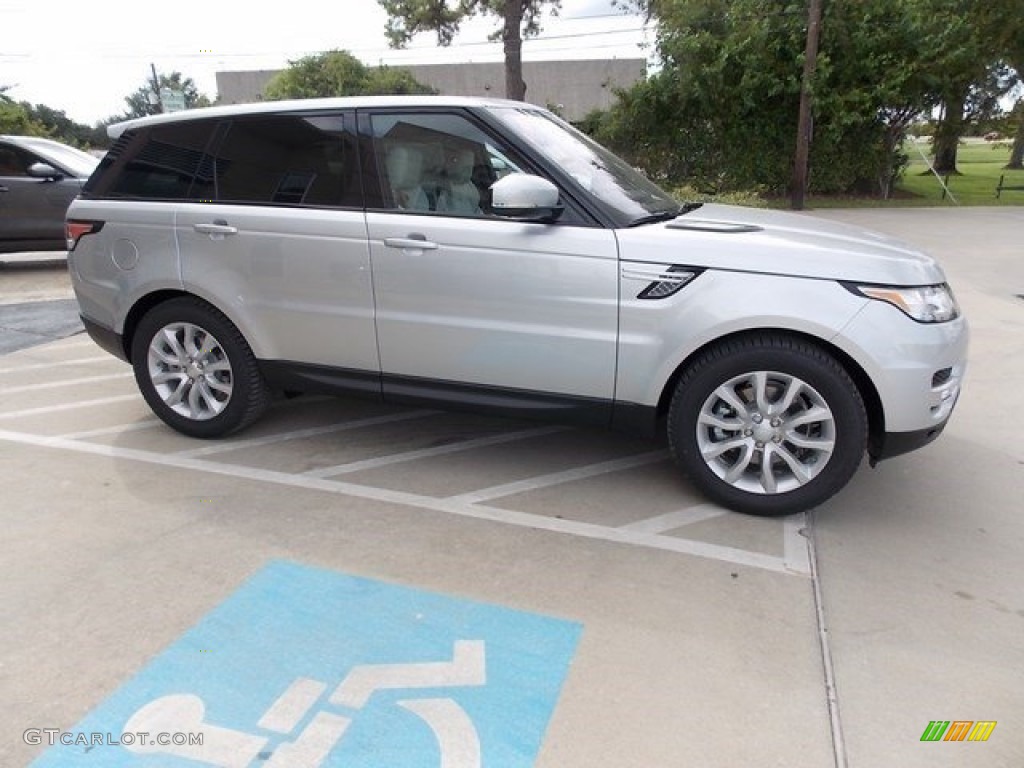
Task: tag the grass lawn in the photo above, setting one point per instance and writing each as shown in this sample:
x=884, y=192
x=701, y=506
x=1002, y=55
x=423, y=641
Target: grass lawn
x=980, y=164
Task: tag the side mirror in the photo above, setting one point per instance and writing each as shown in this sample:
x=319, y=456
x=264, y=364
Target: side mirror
x=44, y=171
x=522, y=197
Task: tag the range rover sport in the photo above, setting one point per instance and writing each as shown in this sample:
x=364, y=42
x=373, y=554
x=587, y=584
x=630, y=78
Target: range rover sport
x=484, y=254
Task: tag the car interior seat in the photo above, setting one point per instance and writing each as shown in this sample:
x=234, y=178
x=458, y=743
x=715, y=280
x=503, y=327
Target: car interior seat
x=404, y=166
x=460, y=194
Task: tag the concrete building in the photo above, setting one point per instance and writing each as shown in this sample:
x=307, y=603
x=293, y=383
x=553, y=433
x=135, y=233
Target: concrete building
x=575, y=87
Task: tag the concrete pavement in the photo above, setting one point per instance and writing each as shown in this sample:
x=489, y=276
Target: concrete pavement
x=913, y=610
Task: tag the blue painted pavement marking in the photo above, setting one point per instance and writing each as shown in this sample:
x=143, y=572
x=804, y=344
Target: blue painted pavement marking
x=307, y=668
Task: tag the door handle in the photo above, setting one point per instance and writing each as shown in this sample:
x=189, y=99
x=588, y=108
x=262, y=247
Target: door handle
x=218, y=227
x=414, y=242
x=4, y=189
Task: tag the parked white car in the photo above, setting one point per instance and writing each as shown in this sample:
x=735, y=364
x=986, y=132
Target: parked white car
x=484, y=254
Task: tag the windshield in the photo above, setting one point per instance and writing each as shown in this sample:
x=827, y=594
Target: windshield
x=609, y=178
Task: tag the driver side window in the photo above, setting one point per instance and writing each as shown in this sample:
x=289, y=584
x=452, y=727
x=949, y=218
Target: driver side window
x=436, y=163
x=15, y=161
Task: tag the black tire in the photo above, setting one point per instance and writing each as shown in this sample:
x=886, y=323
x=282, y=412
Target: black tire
x=210, y=392
x=827, y=420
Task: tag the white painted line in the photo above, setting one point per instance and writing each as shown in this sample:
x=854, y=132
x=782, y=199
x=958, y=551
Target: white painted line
x=57, y=364
x=448, y=506
x=64, y=383
x=831, y=691
x=453, y=730
x=557, y=478
x=341, y=426
x=468, y=667
x=79, y=339
x=114, y=430
x=440, y=450
x=292, y=705
x=68, y=406
x=677, y=519
x=796, y=551
x=313, y=745
x=184, y=713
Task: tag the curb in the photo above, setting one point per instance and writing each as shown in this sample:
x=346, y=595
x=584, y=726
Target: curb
x=33, y=260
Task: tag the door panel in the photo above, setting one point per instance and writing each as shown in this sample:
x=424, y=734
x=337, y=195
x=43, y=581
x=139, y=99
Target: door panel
x=496, y=303
x=297, y=280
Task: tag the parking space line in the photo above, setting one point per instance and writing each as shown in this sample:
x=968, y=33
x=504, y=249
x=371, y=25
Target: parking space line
x=340, y=426
x=135, y=426
x=557, y=478
x=676, y=519
x=796, y=552
x=64, y=383
x=42, y=411
x=449, y=506
x=56, y=364
x=440, y=450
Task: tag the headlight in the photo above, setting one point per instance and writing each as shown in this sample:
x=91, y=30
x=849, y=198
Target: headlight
x=926, y=304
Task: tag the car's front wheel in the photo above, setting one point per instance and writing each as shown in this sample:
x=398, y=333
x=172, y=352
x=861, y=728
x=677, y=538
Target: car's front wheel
x=767, y=424
x=196, y=370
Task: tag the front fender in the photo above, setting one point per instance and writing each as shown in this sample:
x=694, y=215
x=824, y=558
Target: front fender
x=657, y=335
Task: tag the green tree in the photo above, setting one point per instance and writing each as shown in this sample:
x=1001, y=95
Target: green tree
x=972, y=74
x=57, y=125
x=1013, y=46
x=722, y=112
x=15, y=120
x=519, y=19
x=143, y=101
x=339, y=73
x=1017, y=152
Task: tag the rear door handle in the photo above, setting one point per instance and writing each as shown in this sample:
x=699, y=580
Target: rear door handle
x=4, y=189
x=414, y=242
x=218, y=227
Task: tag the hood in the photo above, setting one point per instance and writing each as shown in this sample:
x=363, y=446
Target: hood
x=759, y=240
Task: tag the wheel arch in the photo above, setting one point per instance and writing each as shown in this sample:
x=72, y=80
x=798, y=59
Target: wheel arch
x=139, y=310
x=866, y=388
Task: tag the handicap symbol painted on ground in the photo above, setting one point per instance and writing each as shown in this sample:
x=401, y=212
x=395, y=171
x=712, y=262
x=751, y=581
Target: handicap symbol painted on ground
x=306, y=668
x=456, y=736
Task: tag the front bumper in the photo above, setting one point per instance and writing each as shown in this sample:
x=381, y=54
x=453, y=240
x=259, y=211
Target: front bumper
x=890, y=444
x=917, y=370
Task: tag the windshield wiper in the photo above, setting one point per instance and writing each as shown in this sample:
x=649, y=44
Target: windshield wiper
x=668, y=215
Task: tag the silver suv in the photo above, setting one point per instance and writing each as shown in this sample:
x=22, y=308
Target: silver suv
x=484, y=254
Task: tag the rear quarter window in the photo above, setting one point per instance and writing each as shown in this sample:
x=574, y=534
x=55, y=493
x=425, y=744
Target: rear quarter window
x=158, y=163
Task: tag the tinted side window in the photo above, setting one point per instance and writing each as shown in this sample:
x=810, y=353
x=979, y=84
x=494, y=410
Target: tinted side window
x=15, y=161
x=288, y=160
x=158, y=163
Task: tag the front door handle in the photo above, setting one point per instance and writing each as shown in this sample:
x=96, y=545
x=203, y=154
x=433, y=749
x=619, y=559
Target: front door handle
x=414, y=242
x=218, y=227
x=4, y=189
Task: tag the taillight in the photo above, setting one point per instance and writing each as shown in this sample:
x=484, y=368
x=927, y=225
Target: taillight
x=76, y=229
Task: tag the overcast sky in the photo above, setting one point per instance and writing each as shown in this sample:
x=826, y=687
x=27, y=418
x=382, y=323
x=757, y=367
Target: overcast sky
x=85, y=57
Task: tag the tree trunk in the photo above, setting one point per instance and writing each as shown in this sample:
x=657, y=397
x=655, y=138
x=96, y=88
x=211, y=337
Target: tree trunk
x=1017, y=153
x=948, y=132
x=805, y=117
x=512, y=36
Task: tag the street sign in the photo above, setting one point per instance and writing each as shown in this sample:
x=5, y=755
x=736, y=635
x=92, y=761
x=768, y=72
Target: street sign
x=306, y=668
x=172, y=100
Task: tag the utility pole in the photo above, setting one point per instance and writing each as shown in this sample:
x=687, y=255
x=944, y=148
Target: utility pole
x=158, y=103
x=805, y=120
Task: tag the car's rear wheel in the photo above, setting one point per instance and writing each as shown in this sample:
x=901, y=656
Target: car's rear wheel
x=196, y=370
x=767, y=424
